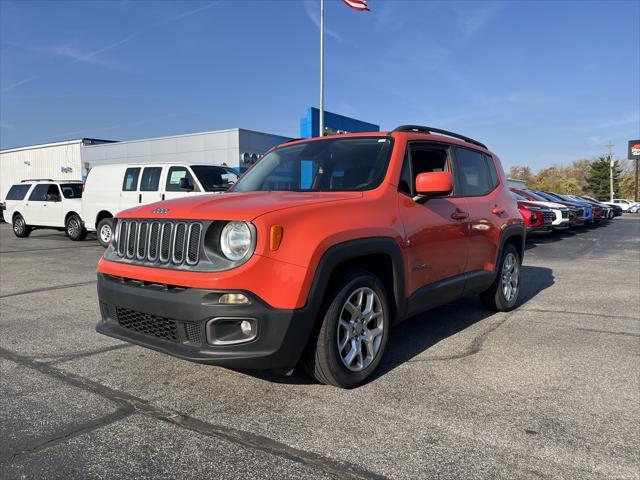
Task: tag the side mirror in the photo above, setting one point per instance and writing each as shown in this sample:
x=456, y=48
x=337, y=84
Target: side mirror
x=433, y=184
x=185, y=184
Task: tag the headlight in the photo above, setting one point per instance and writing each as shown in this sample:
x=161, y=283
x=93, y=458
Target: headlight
x=236, y=241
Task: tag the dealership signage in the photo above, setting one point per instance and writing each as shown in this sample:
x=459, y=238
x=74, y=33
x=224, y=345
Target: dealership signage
x=634, y=150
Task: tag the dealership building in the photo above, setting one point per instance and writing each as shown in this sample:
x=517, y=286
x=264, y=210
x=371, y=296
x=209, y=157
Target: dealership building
x=235, y=147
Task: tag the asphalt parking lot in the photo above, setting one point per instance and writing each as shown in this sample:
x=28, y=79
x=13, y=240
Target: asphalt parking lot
x=549, y=390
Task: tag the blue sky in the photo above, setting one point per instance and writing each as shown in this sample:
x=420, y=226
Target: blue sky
x=541, y=83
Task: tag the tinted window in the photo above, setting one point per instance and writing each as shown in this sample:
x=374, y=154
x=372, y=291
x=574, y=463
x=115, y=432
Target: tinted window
x=17, y=192
x=39, y=193
x=493, y=174
x=53, y=194
x=173, y=179
x=71, y=190
x=150, y=179
x=472, y=173
x=130, y=182
x=333, y=164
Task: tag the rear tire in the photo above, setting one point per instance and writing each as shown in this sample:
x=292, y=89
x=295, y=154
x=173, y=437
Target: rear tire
x=105, y=231
x=74, y=228
x=502, y=295
x=20, y=227
x=346, y=348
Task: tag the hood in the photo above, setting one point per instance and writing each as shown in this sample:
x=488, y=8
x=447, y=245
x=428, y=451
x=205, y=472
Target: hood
x=233, y=206
x=548, y=204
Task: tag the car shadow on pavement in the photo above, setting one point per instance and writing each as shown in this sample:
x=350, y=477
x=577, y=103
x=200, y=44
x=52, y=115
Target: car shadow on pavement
x=418, y=334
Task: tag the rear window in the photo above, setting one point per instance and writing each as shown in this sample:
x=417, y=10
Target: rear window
x=71, y=190
x=18, y=192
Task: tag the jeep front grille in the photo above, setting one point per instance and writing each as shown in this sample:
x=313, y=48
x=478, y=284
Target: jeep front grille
x=153, y=241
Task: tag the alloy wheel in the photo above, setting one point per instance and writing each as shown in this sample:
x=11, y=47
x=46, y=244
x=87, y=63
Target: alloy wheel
x=18, y=225
x=510, y=277
x=360, y=329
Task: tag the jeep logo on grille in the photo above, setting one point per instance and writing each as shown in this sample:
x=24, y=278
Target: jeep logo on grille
x=161, y=211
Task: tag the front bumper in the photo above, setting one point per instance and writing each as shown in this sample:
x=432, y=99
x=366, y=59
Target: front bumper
x=173, y=321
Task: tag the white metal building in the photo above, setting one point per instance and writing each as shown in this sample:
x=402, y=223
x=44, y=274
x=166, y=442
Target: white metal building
x=58, y=161
x=236, y=147
x=72, y=160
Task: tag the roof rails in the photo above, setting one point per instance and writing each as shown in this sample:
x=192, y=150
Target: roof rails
x=48, y=180
x=421, y=129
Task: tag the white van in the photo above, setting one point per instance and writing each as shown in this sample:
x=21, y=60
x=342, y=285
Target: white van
x=112, y=188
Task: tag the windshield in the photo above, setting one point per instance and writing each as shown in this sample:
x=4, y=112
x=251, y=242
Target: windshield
x=519, y=197
x=214, y=178
x=71, y=190
x=533, y=196
x=331, y=165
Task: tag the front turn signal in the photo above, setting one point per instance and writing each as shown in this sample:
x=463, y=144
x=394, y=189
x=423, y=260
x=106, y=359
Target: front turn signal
x=275, y=237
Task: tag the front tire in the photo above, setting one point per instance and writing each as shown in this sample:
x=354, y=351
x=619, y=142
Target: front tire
x=75, y=229
x=20, y=227
x=105, y=231
x=502, y=295
x=348, y=345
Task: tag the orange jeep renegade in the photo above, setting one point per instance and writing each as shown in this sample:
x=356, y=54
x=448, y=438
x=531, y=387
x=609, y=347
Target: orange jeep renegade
x=315, y=253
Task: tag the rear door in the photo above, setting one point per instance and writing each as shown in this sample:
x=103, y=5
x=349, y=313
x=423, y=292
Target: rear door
x=149, y=190
x=34, y=211
x=129, y=196
x=478, y=183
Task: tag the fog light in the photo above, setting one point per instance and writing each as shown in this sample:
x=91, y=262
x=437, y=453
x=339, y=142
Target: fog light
x=246, y=327
x=234, y=299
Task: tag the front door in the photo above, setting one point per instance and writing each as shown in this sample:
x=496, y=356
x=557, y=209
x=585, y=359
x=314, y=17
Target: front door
x=436, y=229
x=172, y=184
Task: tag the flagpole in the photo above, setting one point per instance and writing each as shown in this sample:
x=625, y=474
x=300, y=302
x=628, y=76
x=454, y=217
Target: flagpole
x=321, y=68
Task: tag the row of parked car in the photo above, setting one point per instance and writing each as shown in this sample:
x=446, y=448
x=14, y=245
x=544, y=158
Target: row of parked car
x=544, y=212
x=79, y=208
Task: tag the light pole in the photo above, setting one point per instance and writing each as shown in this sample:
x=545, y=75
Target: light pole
x=610, y=145
x=321, y=133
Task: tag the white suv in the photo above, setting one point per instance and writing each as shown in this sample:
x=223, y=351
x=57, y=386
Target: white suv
x=45, y=203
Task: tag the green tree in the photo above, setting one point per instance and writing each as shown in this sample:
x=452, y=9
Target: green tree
x=598, y=178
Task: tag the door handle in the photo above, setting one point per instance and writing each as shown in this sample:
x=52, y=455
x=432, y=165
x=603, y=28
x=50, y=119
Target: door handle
x=459, y=214
x=163, y=197
x=139, y=198
x=497, y=210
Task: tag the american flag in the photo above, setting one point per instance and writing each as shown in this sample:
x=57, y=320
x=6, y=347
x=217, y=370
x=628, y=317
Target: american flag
x=360, y=5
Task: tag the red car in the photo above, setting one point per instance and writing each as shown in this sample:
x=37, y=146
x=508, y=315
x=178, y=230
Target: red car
x=537, y=219
x=315, y=252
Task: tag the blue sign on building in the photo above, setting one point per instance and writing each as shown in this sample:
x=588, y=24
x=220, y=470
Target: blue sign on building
x=333, y=124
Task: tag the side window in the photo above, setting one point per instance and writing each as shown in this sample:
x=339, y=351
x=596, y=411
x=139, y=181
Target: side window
x=53, y=194
x=18, y=192
x=150, y=179
x=493, y=173
x=472, y=173
x=426, y=158
x=404, y=185
x=130, y=182
x=39, y=193
x=174, y=176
